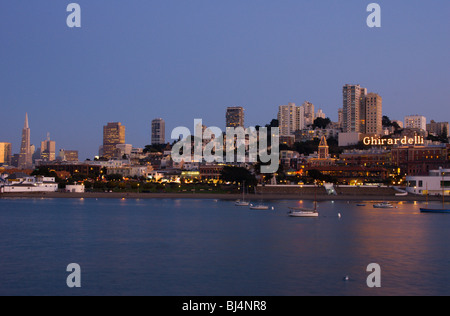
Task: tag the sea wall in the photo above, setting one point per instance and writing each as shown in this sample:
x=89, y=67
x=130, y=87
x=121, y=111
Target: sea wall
x=340, y=190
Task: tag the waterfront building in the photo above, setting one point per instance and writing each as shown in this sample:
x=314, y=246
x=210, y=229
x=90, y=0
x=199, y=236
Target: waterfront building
x=323, y=155
x=420, y=160
x=158, y=131
x=113, y=135
x=89, y=169
x=436, y=182
x=235, y=116
x=372, y=157
x=5, y=153
x=416, y=122
x=351, y=174
x=211, y=171
x=22, y=183
x=26, y=153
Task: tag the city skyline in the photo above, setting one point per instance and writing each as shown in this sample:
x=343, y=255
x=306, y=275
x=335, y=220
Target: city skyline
x=73, y=81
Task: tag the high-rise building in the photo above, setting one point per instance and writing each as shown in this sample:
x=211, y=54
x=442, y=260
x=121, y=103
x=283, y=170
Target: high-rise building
x=158, y=131
x=416, y=122
x=26, y=155
x=309, y=114
x=374, y=116
x=48, y=149
x=291, y=118
x=353, y=111
x=235, y=116
x=5, y=153
x=113, y=135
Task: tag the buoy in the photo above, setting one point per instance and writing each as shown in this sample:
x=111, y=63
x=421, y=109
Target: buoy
x=339, y=215
x=273, y=208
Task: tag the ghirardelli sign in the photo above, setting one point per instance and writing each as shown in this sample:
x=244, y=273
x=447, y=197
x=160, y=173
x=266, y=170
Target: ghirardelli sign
x=373, y=141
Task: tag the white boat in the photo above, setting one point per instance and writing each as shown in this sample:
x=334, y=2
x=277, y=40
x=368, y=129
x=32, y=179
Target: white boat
x=260, y=207
x=383, y=205
x=302, y=212
x=305, y=212
x=242, y=202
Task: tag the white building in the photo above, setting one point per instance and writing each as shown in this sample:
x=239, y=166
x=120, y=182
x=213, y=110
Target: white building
x=416, y=121
x=75, y=188
x=437, y=182
x=290, y=118
x=28, y=184
x=320, y=114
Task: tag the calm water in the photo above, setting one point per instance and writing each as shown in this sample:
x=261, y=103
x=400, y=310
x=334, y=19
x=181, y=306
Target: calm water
x=212, y=248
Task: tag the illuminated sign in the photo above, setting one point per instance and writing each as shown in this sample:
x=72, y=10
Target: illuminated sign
x=416, y=140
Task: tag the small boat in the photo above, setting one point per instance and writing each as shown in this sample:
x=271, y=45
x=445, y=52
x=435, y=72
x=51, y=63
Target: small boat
x=242, y=202
x=435, y=210
x=305, y=212
x=260, y=207
x=383, y=205
x=360, y=204
x=302, y=212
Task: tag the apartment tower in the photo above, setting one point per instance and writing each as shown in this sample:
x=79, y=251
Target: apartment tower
x=158, y=131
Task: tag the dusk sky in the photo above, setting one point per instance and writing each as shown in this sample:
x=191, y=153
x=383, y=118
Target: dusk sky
x=133, y=61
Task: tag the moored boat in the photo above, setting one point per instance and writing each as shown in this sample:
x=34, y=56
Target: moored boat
x=383, y=205
x=302, y=212
x=260, y=207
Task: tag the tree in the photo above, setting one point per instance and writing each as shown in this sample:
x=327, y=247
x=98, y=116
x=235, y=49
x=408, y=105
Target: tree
x=45, y=172
x=321, y=123
x=237, y=174
x=386, y=121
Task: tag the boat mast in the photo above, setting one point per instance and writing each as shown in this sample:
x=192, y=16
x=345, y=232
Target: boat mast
x=315, y=196
x=443, y=190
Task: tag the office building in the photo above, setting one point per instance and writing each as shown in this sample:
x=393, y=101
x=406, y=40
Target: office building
x=26, y=154
x=374, y=114
x=5, y=153
x=113, y=135
x=235, y=116
x=68, y=155
x=48, y=150
x=158, y=131
x=416, y=122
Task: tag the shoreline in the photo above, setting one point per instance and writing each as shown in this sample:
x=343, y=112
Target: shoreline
x=216, y=196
